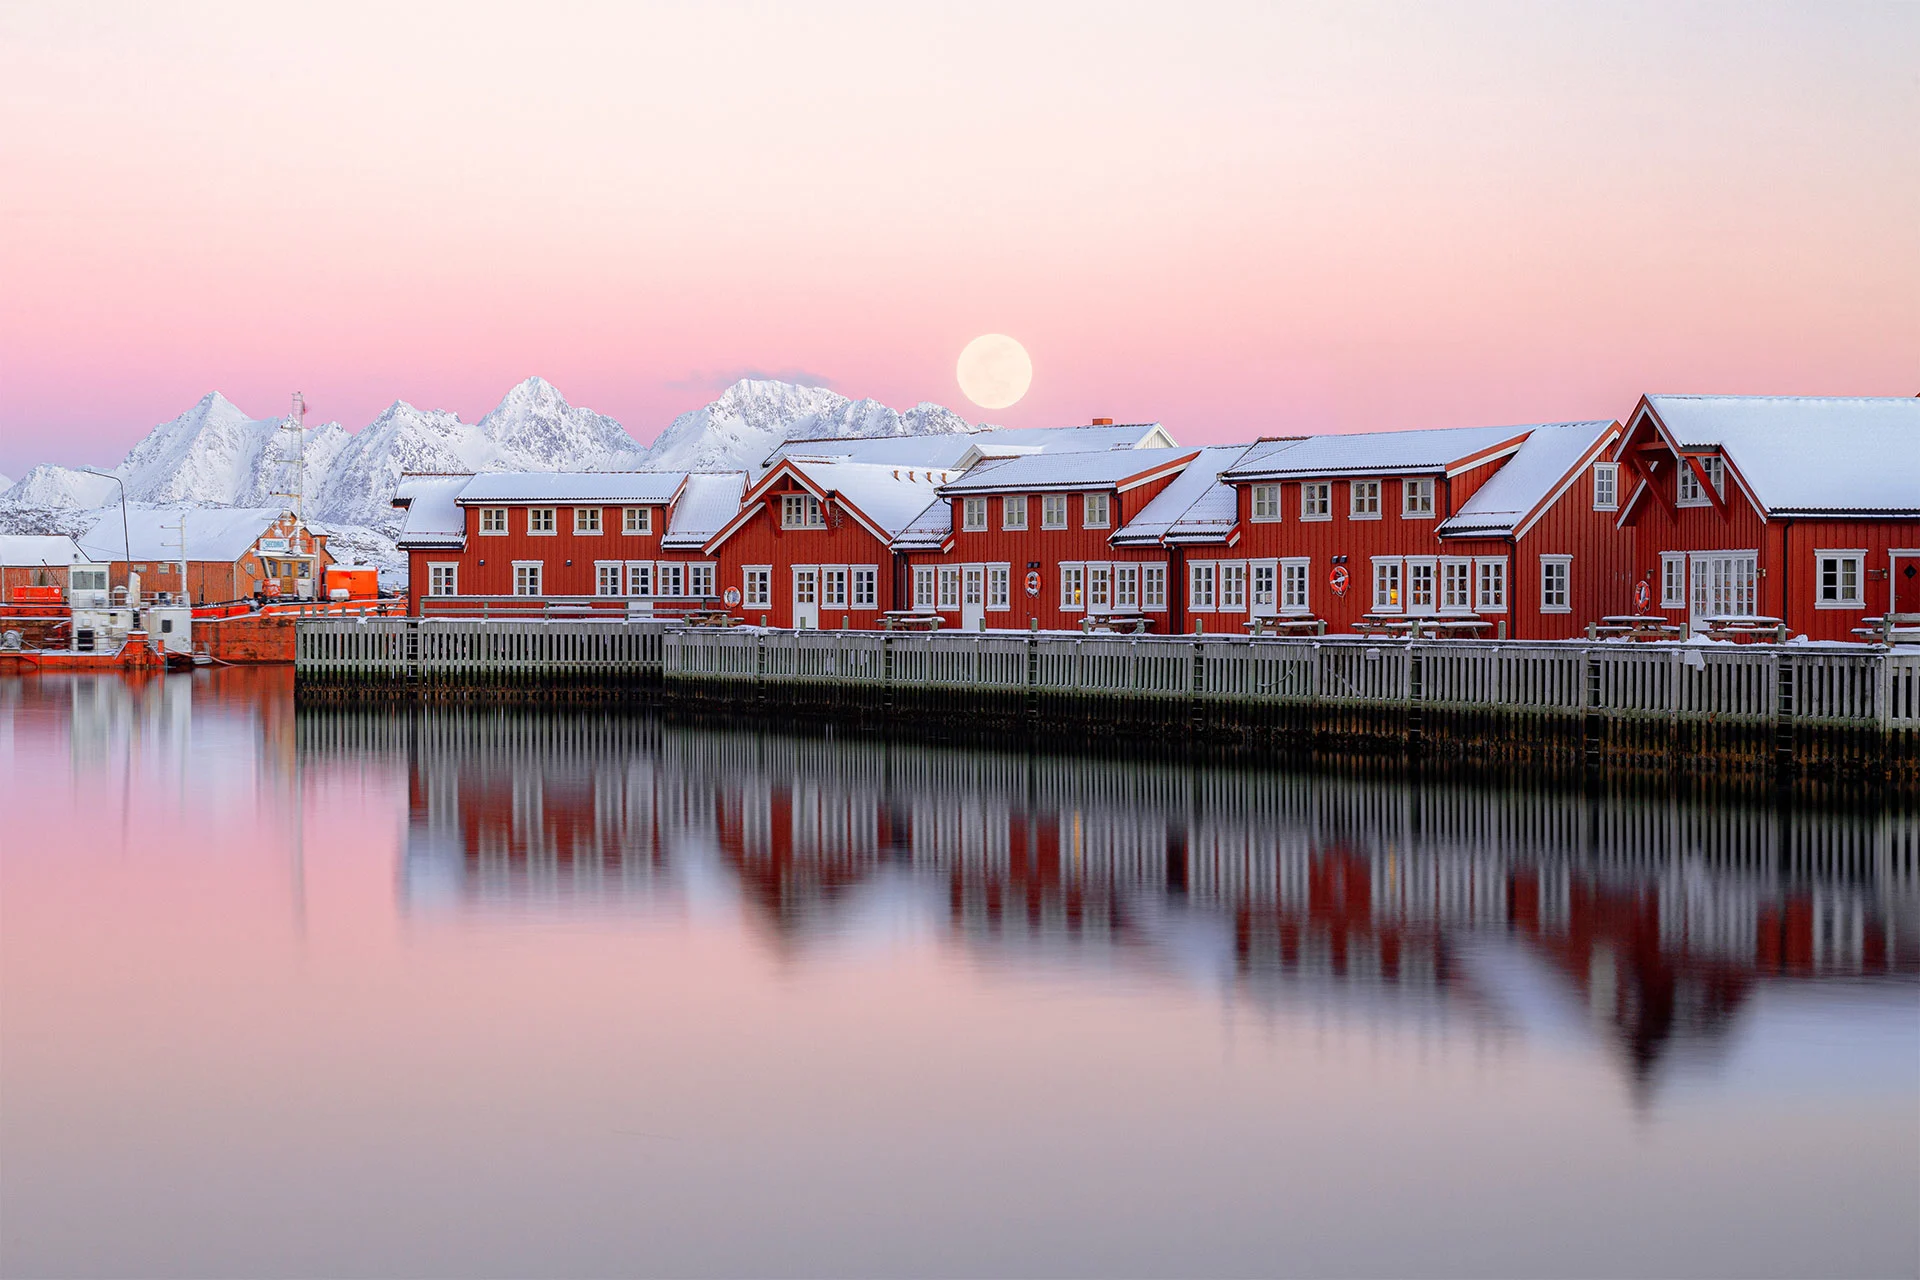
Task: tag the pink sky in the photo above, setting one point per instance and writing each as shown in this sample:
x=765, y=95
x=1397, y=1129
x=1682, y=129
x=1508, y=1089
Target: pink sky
x=1238, y=221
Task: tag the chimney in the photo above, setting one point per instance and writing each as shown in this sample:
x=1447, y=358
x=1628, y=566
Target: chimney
x=1103, y=422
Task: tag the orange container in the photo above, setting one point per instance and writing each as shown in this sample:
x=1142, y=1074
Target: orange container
x=360, y=581
x=36, y=595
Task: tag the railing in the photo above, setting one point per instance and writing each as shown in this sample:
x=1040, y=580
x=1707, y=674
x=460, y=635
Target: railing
x=1826, y=686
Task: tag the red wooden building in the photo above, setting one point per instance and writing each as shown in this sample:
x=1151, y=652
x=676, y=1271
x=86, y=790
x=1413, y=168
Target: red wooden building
x=1805, y=509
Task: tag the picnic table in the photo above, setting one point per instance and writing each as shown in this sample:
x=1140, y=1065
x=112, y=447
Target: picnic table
x=1747, y=626
x=1293, y=626
x=1891, y=628
x=1636, y=626
x=1136, y=623
x=909, y=620
x=709, y=618
x=1422, y=628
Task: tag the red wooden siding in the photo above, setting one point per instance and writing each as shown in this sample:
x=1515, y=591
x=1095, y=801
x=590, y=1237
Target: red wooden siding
x=844, y=541
x=567, y=559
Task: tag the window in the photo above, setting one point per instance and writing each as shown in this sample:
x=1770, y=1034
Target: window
x=1416, y=499
x=1265, y=584
x=756, y=586
x=1316, y=500
x=1421, y=597
x=1233, y=587
x=526, y=577
x=866, y=586
x=443, y=579
x=700, y=580
x=1099, y=586
x=606, y=578
x=1837, y=582
x=1723, y=585
x=540, y=520
x=998, y=578
x=669, y=579
x=1126, y=586
x=1153, y=586
x=924, y=580
x=1689, y=493
x=1556, y=574
x=1053, y=511
x=1364, y=501
x=1493, y=586
x=1266, y=502
x=1293, y=586
x=833, y=586
x=1386, y=586
x=639, y=578
x=493, y=520
x=1073, y=585
x=1200, y=594
x=1013, y=512
x=801, y=511
x=637, y=520
x=1093, y=511
x=1606, y=486
x=1456, y=586
x=1673, y=580
x=586, y=521
x=973, y=514
x=949, y=588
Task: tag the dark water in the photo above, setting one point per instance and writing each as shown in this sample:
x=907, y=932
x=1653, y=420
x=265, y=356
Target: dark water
x=582, y=995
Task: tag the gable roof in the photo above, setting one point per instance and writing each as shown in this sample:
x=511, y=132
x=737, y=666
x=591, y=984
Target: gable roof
x=1440, y=451
x=931, y=530
x=1042, y=472
x=220, y=534
x=1806, y=455
x=38, y=550
x=573, y=486
x=883, y=500
x=941, y=451
x=1012, y=442
x=708, y=500
x=433, y=516
x=1552, y=454
x=1197, y=507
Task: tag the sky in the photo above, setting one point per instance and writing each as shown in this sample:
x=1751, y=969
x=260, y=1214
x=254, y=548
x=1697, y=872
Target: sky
x=1237, y=219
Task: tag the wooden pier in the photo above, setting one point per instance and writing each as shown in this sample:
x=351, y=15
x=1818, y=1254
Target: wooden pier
x=1787, y=711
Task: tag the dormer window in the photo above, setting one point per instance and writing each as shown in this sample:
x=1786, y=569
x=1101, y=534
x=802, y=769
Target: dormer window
x=1689, y=492
x=801, y=511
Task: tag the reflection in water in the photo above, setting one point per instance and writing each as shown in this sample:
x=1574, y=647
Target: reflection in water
x=1696, y=952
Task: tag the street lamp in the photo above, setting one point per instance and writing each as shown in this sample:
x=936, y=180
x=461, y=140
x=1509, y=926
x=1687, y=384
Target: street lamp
x=126, y=538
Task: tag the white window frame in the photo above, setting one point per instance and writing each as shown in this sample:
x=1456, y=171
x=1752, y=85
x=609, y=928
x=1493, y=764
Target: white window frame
x=1096, y=511
x=1316, y=500
x=801, y=511
x=1296, y=569
x=1490, y=572
x=756, y=586
x=1202, y=586
x=1266, y=504
x=1689, y=492
x=1606, y=486
x=1389, y=584
x=1456, y=584
x=1100, y=587
x=863, y=585
x=495, y=517
x=1126, y=588
x=1564, y=564
x=1673, y=579
x=529, y=577
x=999, y=588
x=587, y=522
x=640, y=578
x=702, y=573
x=601, y=568
x=1855, y=556
x=1073, y=587
x=836, y=586
x=1013, y=511
x=949, y=588
x=1053, y=511
x=1416, y=498
x=1232, y=582
x=537, y=516
x=636, y=521
x=670, y=580
x=1417, y=566
x=973, y=515
x=443, y=577
x=926, y=586
x=1363, y=499
x=1733, y=576
x=1153, y=588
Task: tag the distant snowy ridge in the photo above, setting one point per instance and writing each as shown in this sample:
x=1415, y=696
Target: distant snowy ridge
x=215, y=455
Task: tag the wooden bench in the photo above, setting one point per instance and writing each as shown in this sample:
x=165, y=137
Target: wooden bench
x=1892, y=628
x=1134, y=623
x=909, y=620
x=1635, y=626
x=1421, y=628
x=1294, y=626
x=709, y=618
x=1748, y=627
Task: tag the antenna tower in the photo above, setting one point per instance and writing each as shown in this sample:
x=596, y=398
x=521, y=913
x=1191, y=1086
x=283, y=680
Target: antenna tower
x=292, y=460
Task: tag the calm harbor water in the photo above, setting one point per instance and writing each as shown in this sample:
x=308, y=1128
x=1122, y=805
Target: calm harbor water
x=482, y=993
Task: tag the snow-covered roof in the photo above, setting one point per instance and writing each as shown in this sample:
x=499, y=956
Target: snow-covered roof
x=221, y=534
x=572, y=486
x=707, y=502
x=1526, y=479
x=1364, y=453
x=888, y=496
x=1196, y=507
x=940, y=451
x=1040, y=472
x=1808, y=454
x=38, y=550
x=929, y=530
x=1008, y=442
x=433, y=518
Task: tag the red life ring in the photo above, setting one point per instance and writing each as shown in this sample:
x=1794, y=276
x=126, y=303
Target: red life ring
x=1337, y=579
x=1642, y=595
x=1033, y=582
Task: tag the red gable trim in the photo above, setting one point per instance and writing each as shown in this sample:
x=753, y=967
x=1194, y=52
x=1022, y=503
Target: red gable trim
x=754, y=501
x=1486, y=455
x=1571, y=478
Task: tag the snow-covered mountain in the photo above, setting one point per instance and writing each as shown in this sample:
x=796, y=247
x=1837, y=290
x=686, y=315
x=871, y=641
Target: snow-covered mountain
x=215, y=455
x=752, y=416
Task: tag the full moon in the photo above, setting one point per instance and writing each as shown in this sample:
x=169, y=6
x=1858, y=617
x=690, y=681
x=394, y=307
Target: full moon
x=994, y=371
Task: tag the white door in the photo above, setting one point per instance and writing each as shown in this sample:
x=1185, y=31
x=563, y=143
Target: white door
x=1263, y=595
x=1722, y=585
x=806, y=596
x=973, y=596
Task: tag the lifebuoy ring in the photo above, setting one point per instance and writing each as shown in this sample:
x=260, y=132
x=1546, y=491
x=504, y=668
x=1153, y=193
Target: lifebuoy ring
x=1642, y=595
x=732, y=596
x=1033, y=582
x=1337, y=579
